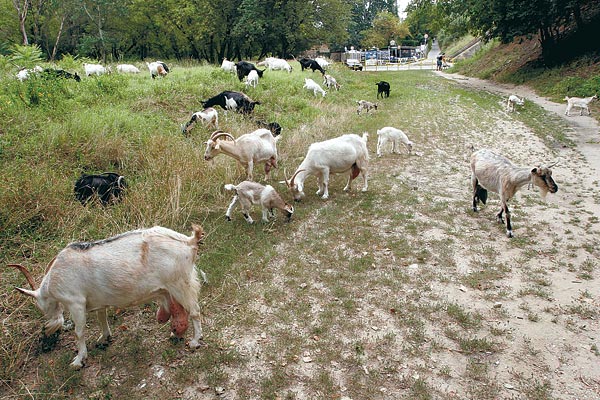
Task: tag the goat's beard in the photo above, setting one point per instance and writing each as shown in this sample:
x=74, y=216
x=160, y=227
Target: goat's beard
x=543, y=193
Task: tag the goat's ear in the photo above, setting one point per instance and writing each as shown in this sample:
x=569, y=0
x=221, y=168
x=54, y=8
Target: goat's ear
x=31, y=293
x=217, y=146
x=534, y=170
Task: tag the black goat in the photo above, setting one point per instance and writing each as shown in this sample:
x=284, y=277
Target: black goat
x=243, y=68
x=108, y=187
x=274, y=127
x=306, y=63
x=59, y=73
x=245, y=104
x=383, y=89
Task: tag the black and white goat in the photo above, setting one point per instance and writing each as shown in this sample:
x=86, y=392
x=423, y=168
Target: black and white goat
x=122, y=271
x=494, y=172
x=243, y=68
x=306, y=63
x=248, y=193
x=107, y=187
x=229, y=99
x=208, y=116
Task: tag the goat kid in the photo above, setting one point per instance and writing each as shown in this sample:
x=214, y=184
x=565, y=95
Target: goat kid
x=365, y=105
x=330, y=81
x=252, y=79
x=158, y=68
x=122, y=271
x=512, y=100
x=396, y=136
x=248, y=193
x=127, y=68
x=107, y=187
x=94, y=69
x=579, y=102
x=309, y=84
x=208, y=116
x=494, y=172
x=383, y=89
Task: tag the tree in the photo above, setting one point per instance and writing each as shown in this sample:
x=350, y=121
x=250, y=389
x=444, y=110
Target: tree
x=363, y=14
x=22, y=7
x=386, y=26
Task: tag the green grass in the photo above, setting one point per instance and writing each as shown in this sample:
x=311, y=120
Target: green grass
x=359, y=281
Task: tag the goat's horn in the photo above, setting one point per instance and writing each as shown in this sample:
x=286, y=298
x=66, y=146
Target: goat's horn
x=294, y=177
x=218, y=135
x=26, y=273
x=553, y=164
x=212, y=135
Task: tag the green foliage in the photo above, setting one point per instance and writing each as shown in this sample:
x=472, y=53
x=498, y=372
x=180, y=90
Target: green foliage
x=386, y=26
x=26, y=56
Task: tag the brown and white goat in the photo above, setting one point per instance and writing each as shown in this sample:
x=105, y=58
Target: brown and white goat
x=249, y=149
x=365, y=105
x=494, y=172
x=125, y=270
x=248, y=193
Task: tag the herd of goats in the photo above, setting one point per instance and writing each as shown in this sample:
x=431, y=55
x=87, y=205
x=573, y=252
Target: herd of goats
x=165, y=258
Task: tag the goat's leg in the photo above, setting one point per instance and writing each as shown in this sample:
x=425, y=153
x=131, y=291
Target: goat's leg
x=499, y=216
x=380, y=143
x=395, y=146
x=231, y=207
x=509, y=231
x=474, y=185
x=365, y=174
x=78, y=315
x=325, y=185
x=245, y=205
x=249, y=168
x=103, y=320
x=265, y=212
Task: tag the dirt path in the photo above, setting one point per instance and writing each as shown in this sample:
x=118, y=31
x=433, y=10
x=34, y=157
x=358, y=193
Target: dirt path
x=586, y=130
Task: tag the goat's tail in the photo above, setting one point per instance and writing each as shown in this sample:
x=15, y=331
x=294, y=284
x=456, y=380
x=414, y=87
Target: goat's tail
x=197, y=236
x=480, y=193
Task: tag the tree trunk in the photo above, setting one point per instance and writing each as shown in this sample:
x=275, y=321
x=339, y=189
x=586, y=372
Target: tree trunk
x=22, y=9
x=58, y=35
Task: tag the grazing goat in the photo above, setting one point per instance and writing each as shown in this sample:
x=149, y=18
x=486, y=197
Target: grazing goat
x=322, y=62
x=125, y=270
x=208, y=116
x=243, y=103
x=306, y=63
x=252, y=79
x=342, y=154
x=365, y=105
x=512, y=100
x=309, y=84
x=579, y=102
x=127, y=68
x=24, y=73
x=59, y=73
x=94, y=69
x=249, y=149
x=248, y=193
x=274, y=127
x=158, y=68
x=107, y=187
x=228, y=66
x=330, y=81
x=494, y=172
x=395, y=136
x=383, y=89
x=273, y=64
x=243, y=68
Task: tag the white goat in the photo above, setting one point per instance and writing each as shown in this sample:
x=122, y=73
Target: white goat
x=228, y=66
x=579, y=102
x=94, y=69
x=273, y=63
x=365, y=105
x=129, y=269
x=249, y=149
x=24, y=73
x=512, y=100
x=248, y=193
x=208, y=116
x=394, y=135
x=127, y=68
x=322, y=62
x=157, y=68
x=330, y=81
x=338, y=155
x=314, y=86
x=252, y=79
x=494, y=172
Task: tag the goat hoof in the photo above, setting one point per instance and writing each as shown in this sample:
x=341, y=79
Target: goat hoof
x=228, y=218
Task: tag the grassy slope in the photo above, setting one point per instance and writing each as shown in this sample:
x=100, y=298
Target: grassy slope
x=267, y=305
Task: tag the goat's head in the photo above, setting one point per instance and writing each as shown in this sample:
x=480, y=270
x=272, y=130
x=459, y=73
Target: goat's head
x=409, y=145
x=52, y=309
x=541, y=176
x=213, y=144
x=296, y=187
x=288, y=211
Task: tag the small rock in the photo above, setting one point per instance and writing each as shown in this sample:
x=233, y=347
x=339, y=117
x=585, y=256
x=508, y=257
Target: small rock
x=307, y=359
x=375, y=328
x=219, y=390
x=509, y=386
x=497, y=304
